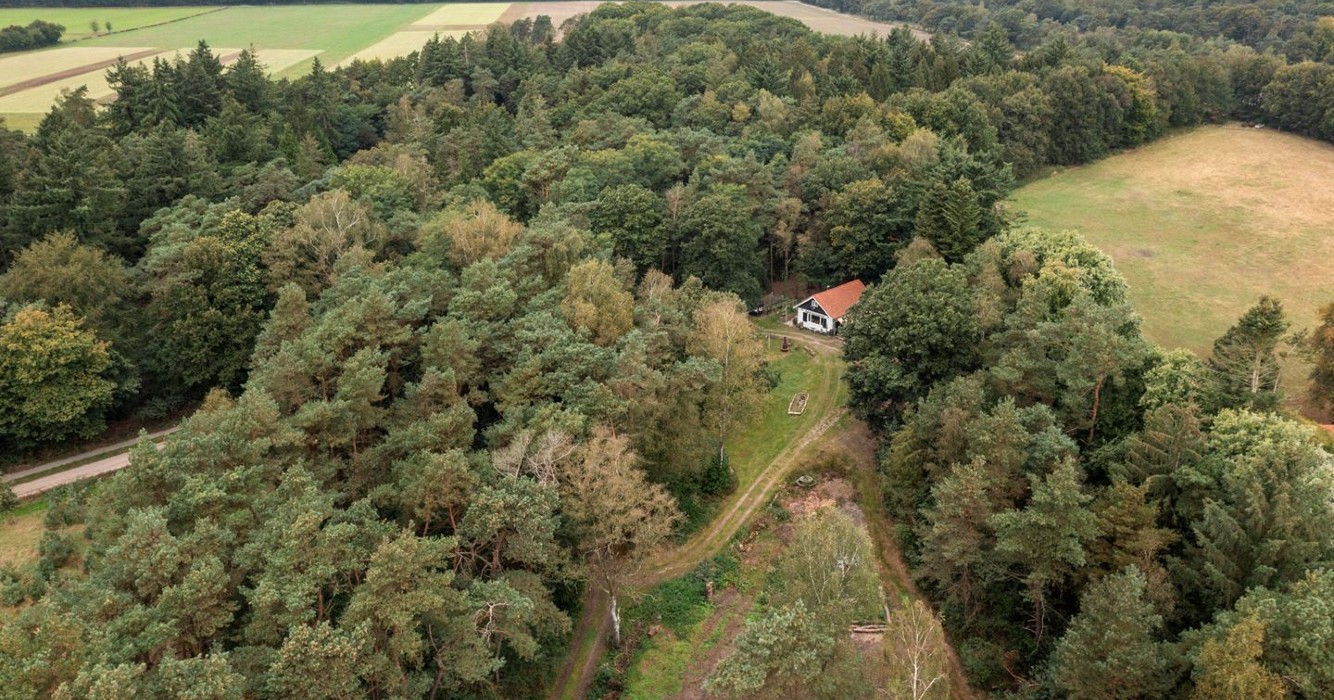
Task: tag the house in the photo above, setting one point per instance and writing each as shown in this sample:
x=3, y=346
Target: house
x=823, y=312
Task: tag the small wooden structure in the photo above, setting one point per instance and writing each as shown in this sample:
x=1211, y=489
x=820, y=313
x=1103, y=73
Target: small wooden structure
x=798, y=405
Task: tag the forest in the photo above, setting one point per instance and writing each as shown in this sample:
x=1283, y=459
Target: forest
x=466, y=332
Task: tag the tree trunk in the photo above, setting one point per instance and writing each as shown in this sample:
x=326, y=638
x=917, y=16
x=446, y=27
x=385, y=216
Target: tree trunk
x=615, y=622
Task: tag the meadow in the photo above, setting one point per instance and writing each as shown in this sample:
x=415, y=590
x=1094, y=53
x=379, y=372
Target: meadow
x=1203, y=223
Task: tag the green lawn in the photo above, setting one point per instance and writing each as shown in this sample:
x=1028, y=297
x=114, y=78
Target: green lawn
x=76, y=20
x=753, y=448
x=337, y=30
x=1203, y=223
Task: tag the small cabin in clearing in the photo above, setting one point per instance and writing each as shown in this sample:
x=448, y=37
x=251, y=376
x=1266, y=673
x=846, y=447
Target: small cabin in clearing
x=823, y=312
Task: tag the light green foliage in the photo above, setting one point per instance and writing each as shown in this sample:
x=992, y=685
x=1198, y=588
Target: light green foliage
x=830, y=567
x=52, y=377
x=58, y=270
x=598, y=302
x=1230, y=669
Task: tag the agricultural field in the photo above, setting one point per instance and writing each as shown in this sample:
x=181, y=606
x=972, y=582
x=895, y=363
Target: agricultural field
x=1202, y=223
x=78, y=21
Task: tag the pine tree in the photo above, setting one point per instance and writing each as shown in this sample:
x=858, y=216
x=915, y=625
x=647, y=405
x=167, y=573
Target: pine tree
x=1049, y=537
x=1321, y=346
x=201, y=86
x=70, y=185
x=1245, y=360
x=950, y=218
x=248, y=84
x=1110, y=651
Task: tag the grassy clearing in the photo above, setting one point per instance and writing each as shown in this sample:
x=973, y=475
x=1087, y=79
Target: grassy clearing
x=1202, y=224
x=753, y=448
x=466, y=14
x=338, y=31
x=77, y=21
x=20, y=531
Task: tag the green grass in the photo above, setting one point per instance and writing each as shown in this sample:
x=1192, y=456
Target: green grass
x=337, y=30
x=1203, y=223
x=753, y=448
x=76, y=20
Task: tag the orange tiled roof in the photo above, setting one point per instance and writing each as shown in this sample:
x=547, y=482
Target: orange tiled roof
x=838, y=300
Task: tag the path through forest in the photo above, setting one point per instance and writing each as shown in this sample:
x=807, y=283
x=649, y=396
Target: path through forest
x=590, y=634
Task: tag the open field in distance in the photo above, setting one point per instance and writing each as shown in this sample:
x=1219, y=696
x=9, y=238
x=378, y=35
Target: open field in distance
x=78, y=20
x=1202, y=224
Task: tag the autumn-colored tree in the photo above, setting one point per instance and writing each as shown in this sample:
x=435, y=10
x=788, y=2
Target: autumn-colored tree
x=52, y=382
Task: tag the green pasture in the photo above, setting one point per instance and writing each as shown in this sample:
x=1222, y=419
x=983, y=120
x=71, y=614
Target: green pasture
x=77, y=20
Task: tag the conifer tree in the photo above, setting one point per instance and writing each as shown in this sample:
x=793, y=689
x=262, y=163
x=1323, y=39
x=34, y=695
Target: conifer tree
x=1246, y=361
x=1110, y=651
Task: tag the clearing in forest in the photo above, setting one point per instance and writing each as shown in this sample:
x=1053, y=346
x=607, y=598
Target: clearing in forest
x=1202, y=223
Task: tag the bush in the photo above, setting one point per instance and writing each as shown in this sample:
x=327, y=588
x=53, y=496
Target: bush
x=676, y=604
x=66, y=505
x=8, y=499
x=56, y=550
x=718, y=477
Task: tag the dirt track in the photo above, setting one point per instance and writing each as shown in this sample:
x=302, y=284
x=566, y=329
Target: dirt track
x=576, y=673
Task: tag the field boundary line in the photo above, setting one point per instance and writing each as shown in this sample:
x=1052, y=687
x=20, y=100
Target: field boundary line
x=147, y=26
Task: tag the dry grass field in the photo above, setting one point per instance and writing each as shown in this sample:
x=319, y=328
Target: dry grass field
x=464, y=14
x=18, y=68
x=1204, y=222
x=401, y=44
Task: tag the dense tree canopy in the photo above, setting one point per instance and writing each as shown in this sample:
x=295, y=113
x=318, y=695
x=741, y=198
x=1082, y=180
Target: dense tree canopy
x=468, y=329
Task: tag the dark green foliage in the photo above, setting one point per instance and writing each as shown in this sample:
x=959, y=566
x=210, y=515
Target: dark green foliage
x=915, y=328
x=1245, y=362
x=34, y=36
x=718, y=478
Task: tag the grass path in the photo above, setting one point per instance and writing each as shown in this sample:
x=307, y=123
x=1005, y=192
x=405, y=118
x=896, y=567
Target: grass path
x=576, y=674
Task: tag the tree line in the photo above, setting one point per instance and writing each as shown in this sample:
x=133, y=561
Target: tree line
x=1096, y=517
x=34, y=36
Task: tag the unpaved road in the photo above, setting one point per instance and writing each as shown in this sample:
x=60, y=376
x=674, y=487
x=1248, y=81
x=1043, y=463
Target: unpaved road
x=590, y=633
x=106, y=465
